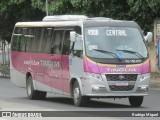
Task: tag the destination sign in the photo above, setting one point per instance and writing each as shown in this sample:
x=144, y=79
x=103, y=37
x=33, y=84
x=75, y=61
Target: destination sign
x=116, y=33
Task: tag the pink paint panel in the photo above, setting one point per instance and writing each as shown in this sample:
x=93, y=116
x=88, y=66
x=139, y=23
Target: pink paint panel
x=65, y=73
x=146, y=67
x=51, y=70
x=91, y=66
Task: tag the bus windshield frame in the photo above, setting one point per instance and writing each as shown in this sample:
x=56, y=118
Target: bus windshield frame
x=125, y=42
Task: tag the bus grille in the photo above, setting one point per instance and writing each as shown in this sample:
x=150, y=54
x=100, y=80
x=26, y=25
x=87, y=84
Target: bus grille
x=121, y=88
x=121, y=77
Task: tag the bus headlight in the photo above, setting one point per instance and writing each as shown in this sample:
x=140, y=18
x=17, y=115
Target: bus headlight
x=99, y=89
x=143, y=88
x=144, y=77
x=95, y=76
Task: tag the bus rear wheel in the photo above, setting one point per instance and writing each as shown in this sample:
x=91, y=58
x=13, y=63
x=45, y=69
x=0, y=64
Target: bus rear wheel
x=136, y=101
x=78, y=99
x=34, y=94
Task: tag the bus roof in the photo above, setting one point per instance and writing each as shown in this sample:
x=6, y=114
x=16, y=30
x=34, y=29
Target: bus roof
x=77, y=20
x=48, y=24
x=110, y=23
x=64, y=18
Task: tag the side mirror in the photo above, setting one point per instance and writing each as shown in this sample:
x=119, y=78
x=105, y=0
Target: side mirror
x=78, y=45
x=148, y=37
x=77, y=39
x=73, y=36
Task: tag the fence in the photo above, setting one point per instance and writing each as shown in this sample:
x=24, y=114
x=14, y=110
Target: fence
x=4, y=58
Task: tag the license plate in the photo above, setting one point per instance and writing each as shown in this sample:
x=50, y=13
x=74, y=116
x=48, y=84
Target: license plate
x=122, y=83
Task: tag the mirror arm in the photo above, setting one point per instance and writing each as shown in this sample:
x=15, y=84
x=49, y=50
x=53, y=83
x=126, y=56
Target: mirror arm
x=145, y=37
x=72, y=47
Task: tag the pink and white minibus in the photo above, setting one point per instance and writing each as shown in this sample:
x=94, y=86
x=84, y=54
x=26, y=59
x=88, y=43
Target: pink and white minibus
x=82, y=58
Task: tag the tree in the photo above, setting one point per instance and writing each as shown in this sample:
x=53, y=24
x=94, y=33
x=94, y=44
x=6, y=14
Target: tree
x=141, y=11
x=110, y=8
x=144, y=12
x=14, y=11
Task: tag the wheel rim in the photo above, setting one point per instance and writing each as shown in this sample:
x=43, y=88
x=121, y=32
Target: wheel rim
x=29, y=89
x=76, y=93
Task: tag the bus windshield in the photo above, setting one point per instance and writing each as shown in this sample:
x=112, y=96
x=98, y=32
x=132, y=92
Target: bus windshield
x=122, y=42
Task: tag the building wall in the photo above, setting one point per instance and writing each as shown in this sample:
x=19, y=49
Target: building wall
x=153, y=54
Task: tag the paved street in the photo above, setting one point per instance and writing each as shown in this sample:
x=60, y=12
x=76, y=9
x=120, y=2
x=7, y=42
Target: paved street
x=14, y=98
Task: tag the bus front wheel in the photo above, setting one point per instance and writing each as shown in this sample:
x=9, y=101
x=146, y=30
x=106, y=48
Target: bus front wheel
x=136, y=101
x=78, y=99
x=31, y=93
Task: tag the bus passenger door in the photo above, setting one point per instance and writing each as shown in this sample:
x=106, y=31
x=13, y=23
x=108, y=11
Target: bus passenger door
x=65, y=63
x=45, y=61
x=40, y=57
x=56, y=61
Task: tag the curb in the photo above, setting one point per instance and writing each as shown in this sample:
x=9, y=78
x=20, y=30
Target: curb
x=155, y=83
x=154, y=88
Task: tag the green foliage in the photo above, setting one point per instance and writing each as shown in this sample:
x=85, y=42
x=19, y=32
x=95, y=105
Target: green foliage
x=14, y=11
x=142, y=11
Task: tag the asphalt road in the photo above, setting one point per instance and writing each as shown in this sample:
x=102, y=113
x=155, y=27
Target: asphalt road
x=14, y=98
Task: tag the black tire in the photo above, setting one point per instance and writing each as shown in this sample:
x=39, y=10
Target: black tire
x=42, y=95
x=78, y=99
x=136, y=101
x=33, y=94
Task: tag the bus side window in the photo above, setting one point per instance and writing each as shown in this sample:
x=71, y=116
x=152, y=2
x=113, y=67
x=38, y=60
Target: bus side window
x=35, y=41
x=41, y=40
x=78, y=53
x=22, y=40
x=14, y=43
x=38, y=40
x=16, y=39
x=66, y=43
x=78, y=30
x=22, y=43
x=46, y=46
x=17, y=30
x=29, y=39
x=56, y=41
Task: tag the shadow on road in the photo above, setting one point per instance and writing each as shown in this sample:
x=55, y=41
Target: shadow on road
x=67, y=103
x=91, y=103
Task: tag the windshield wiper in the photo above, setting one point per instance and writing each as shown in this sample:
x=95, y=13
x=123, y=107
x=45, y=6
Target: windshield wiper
x=110, y=53
x=133, y=52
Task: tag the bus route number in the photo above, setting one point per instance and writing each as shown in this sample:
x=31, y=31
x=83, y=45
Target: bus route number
x=93, y=32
